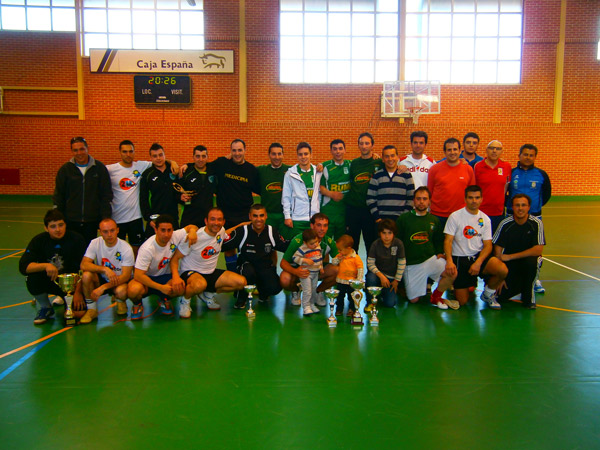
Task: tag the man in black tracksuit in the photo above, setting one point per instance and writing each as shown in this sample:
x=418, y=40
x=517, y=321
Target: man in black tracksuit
x=82, y=191
x=257, y=244
x=157, y=194
x=196, y=179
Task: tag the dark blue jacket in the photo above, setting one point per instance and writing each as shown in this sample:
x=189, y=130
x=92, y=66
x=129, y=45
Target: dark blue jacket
x=535, y=183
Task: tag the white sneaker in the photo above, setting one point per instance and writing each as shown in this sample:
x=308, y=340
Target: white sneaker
x=308, y=311
x=185, y=310
x=491, y=300
x=207, y=297
x=440, y=305
x=538, y=288
x=57, y=301
x=321, y=299
x=296, y=298
x=314, y=309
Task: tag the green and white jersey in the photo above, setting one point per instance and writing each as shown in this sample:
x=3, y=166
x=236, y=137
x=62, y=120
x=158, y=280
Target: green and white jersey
x=336, y=178
x=327, y=247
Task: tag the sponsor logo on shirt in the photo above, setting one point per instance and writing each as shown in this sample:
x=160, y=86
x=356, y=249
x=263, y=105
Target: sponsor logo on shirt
x=469, y=232
x=118, y=256
x=126, y=184
x=419, y=238
x=208, y=252
x=236, y=177
x=274, y=187
x=106, y=263
x=480, y=222
x=362, y=178
x=163, y=263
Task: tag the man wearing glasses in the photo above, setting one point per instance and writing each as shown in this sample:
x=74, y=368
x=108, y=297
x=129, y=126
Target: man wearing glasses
x=83, y=192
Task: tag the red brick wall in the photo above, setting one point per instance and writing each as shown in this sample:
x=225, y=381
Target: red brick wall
x=292, y=113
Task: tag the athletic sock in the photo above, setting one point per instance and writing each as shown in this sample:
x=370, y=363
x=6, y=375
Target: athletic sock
x=436, y=296
x=231, y=262
x=42, y=300
x=91, y=304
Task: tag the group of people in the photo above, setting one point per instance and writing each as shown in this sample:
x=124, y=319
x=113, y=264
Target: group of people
x=421, y=222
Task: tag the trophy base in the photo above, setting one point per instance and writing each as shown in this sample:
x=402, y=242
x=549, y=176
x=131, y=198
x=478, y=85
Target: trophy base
x=357, y=320
x=374, y=321
x=250, y=314
x=332, y=321
x=70, y=321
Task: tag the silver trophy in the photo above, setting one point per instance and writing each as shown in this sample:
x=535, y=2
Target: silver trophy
x=67, y=282
x=331, y=295
x=357, y=295
x=374, y=291
x=250, y=288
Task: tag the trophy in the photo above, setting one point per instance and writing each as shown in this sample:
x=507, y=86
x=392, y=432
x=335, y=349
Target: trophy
x=250, y=288
x=67, y=282
x=374, y=291
x=357, y=295
x=179, y=188
x=331, y=295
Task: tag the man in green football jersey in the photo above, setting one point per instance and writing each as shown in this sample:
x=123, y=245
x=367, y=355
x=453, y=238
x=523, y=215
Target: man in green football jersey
x=335, y=182
x=270, y=178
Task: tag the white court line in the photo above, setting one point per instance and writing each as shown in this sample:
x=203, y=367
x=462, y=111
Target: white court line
x=570, y=268
x=570, y=215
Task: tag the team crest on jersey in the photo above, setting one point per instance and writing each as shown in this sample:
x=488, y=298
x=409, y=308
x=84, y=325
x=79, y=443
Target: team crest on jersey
x=500, y=172
x=480, y=222
x=126, y=184
x=268, y=248
x=136, y=174
x=469, y=232
x=118, y=256
x=106, y=263
x=346, y=171
x=274, y=187
x=533, y=184
x=219, y=238
x=208, y=252
x=393, y=250
x=163, y=263
x=172, y=247
x=172, y=176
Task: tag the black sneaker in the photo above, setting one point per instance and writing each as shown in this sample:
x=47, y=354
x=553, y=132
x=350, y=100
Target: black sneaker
x=241, y=300
x=43, y=315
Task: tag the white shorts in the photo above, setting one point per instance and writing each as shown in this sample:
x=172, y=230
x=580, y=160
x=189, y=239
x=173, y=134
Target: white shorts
x=415, y=276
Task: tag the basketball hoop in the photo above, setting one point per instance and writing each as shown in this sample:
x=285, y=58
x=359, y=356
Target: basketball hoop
x=414, y=113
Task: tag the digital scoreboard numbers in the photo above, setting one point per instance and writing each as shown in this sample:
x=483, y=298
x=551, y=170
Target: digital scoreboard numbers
x=162, y=89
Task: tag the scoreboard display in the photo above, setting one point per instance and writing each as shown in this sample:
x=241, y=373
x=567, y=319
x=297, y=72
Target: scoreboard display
x=162, y=89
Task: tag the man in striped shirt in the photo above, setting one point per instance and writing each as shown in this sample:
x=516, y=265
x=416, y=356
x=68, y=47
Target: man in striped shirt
x=390, y=193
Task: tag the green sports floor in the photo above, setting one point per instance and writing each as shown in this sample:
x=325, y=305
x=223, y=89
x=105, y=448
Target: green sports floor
x=473, y=378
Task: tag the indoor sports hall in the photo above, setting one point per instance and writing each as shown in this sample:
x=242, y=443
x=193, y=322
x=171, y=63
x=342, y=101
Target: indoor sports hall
x=289, y=71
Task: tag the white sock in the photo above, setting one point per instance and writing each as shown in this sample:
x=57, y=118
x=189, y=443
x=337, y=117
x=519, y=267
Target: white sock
x=488, y=292
x=207, y=296
x=91, y=304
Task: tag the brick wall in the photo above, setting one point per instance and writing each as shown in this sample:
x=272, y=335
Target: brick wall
x=292, y=113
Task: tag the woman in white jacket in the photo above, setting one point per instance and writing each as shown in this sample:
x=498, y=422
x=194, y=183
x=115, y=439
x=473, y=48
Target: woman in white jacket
x=301, y=198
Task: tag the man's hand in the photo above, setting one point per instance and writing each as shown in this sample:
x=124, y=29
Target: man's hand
x=112, y=277
x=441, y=256
x=51, y=271
x=182, y=170
x=451, y=268
x=384, y=280
x=394, y=286
x=402, y=169
x=475, y=268
x=166, y=289
x=97, y=293
x=192, y=237
x=178, y=286
x=319, y=167
x=336, y=196
x=301, y=272
x=288, y=223
x=504, y=257
x=78, y=303
x=186, y=197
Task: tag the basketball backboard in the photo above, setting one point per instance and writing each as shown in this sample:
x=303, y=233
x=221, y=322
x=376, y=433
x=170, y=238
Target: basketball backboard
x=410, y=99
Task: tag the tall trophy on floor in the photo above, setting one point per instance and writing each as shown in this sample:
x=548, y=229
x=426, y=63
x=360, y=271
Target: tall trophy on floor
x=331, y=295
x=67, y=282
x=357, y=295
x=374, y=291
x=250, y=288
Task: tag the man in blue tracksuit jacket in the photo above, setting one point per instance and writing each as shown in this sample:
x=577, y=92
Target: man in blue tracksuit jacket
x=530, y=180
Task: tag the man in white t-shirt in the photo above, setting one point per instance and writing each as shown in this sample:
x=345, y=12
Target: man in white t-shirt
x=417, y=162
x=468, y=249
x=199, y=273
x=107, y=266
x=124, y=178
x=152, y=274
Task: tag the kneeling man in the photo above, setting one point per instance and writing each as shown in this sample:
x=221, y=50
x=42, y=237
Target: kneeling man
x=152, y=274
x=107, y=266
x=468, y=249
x=519, y=242
x=198, y=269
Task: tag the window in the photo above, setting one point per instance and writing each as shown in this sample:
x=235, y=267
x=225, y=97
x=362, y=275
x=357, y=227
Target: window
x=37, y=15
x=121, y=24
x=358, y=41
x=143, y=24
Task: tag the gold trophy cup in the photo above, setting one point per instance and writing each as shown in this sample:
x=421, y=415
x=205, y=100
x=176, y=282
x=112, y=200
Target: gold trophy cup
x=67, y=282
x=374, y=291
x=357, y=295
x=250, y=288
x=331, y=295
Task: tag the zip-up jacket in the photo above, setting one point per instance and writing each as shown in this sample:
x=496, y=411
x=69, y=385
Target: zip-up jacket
x=296, y=203
x=83, y=198
x=157, y=194
x=535, y=183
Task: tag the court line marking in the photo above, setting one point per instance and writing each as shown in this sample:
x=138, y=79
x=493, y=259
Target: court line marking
x=567, y=215
x=51, y=335
x=570, y=268
x=23, y=359
x=8, y=255
x=16, y=304
x=574, y=256
x=560, y=309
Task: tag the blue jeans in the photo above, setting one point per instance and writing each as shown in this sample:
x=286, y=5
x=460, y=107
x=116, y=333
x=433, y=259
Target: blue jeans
x=387, y=297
